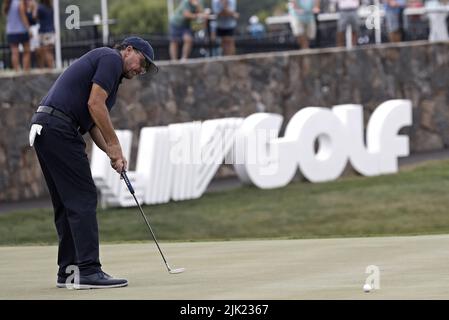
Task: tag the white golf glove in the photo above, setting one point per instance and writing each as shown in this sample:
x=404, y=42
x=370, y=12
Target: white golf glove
x=35, y=129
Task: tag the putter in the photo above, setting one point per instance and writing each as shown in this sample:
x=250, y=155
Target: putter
x=131, y=189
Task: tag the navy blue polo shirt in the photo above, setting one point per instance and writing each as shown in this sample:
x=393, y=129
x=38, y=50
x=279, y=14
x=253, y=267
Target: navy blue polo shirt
x=70, y=93
x=45, y=16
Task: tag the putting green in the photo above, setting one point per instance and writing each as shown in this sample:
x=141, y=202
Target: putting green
x=409, y=268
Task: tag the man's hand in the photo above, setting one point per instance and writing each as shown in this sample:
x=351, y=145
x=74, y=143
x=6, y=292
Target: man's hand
x=118, y=161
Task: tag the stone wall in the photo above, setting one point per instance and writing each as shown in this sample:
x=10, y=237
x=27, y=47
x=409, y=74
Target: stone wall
x=239, y=86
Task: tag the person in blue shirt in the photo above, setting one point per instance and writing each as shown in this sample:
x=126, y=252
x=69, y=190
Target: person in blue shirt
x=17, y=32
x=302, y=22
x=394, y=12
x=255, y=28
x=44, y=15
x=79, y=102
x=227, y=15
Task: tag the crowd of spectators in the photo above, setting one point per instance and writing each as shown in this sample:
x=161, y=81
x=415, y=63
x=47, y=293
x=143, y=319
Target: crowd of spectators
x=303, y=15
x=30, y=29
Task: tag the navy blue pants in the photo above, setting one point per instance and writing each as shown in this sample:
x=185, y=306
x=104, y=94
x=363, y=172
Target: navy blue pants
x=61, y=152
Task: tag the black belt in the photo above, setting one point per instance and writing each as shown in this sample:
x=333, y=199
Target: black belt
x=56, y=113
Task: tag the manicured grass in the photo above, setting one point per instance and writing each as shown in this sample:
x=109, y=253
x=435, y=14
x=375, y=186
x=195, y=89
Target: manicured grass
x=415, y=201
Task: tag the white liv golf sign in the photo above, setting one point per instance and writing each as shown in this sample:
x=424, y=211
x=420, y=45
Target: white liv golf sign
x=177, y=162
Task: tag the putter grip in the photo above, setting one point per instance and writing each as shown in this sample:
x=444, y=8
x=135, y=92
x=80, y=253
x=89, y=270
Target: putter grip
x=128, y=183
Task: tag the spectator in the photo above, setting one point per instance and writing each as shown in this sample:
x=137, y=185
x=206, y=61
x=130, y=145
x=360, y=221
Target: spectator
x=212, y=31
x=255, y=28
x=31, y=10
x=180, y=27
x=437, y=18
x=303, y=20
x=227, y=15
x=413, y=22
x=46, y=34
x=348, y=16
x=17, y=32
x=394, y=13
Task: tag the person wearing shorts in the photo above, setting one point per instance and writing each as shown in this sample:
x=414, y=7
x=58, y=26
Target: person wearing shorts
x=227, y=15
x=46, y=34
x=394, y=10
x=348, y=16
x=17, y=32
x=180, y=27
x=302, y=20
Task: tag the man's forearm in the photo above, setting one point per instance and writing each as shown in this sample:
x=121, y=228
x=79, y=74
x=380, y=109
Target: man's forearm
x=100, y=116
x=98, y=139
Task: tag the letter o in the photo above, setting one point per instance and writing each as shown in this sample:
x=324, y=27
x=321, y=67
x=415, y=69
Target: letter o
x=318, y=124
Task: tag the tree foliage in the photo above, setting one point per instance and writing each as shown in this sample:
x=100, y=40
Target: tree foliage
x=150, y=16
x=260, y=8
x=139, y=16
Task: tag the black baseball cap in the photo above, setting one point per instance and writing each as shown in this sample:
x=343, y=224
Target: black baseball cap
x=146, y=49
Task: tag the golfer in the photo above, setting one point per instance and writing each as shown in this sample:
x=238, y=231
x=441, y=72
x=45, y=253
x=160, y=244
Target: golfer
x=79, y=102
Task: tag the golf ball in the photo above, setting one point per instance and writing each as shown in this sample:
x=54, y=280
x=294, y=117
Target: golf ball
x=367, y=287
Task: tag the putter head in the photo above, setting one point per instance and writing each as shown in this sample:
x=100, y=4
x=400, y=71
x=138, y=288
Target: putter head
x=175, y=271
